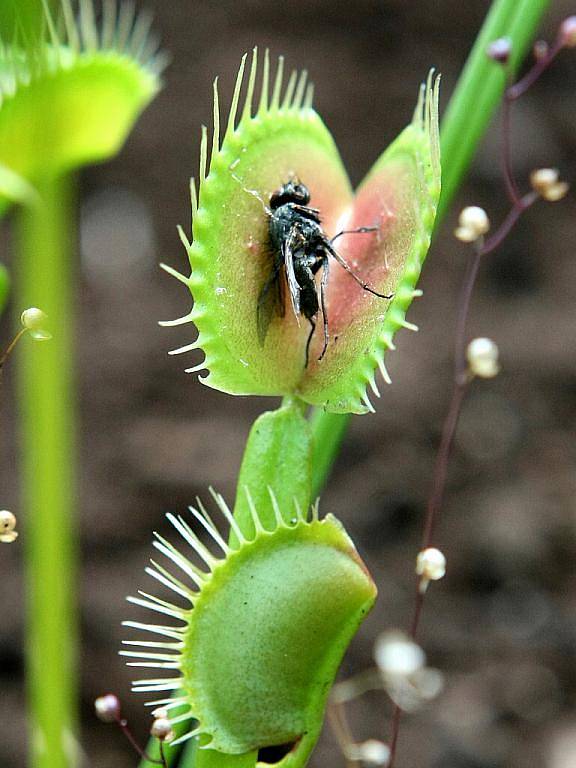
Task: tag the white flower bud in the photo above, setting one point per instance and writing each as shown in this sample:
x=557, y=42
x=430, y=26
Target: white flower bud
x=540, y=50
x=162, y=729
x=545, y=182
x=500, y=50
x=428, y=683
x=397, y=655
x=568, y=32
x=473, y=222
x=7, y=526
x=34, y=321
x=482, y=355
x=371, y=752
x=108, y=708
x=431, y=564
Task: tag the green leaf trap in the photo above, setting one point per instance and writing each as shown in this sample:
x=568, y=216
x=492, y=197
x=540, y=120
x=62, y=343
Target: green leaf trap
x=71, y=96
x=262, y=632
x=391, y=217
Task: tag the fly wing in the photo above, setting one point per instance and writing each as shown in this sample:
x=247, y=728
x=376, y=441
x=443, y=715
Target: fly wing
x=270, y=302
x=288, y=254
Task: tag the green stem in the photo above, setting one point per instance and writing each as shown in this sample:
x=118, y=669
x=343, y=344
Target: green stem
x=47, y=410
x=328, y=430
x=473, y=103
x=4, y=287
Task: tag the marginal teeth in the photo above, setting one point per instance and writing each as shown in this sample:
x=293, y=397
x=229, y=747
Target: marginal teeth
x=183, y=238
x=156, y=629
x=186, y=736
x=186, y=348
x=152, y=606
x=178, y=275
x=384, y=371
x=196, y=368
x=179, y=321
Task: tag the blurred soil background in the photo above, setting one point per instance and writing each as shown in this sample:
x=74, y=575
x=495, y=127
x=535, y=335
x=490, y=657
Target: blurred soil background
x=502, y=625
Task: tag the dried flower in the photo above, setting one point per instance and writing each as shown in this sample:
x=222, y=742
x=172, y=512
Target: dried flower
x=482, y=355
x=546, y=182
x=371, y=752
x=472, y=224
x=7, y=526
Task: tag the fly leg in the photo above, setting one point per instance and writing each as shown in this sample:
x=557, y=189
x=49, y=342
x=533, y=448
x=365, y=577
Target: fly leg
x=357, y=231
x=312, y=329
x=343, y=263
x=323, y=284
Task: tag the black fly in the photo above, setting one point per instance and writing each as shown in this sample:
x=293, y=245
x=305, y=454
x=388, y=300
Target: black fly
x=300, y=249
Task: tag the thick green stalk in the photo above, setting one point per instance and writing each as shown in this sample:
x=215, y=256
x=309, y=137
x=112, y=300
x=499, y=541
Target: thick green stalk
x=473, y=103
x=47, y=410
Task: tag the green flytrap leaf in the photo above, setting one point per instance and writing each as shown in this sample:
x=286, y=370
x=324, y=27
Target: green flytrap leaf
x=230, y=255
x=263, y=631
x=71, y=97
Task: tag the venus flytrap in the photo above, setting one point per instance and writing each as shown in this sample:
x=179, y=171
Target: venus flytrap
x=238, y=192
x=296, y=585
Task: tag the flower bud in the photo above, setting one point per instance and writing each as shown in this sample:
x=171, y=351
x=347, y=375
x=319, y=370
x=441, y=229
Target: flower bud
x=567, y=34
x=431, y=564
x=107, y=708
x=500, y=50
x=540, y=50
x=7, y=526
x=545, y=181
x=397, y=655
x=473, y=222
x=34, y=321
x=482, y=355
x=371, y=752
x=161, y=729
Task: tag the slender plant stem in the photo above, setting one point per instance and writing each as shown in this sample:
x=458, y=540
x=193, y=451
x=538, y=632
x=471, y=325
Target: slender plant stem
x=123, y=725
x=47, y=411
x=4, y=287
x=461, y=381
x=9, y=349
x=473, y=103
